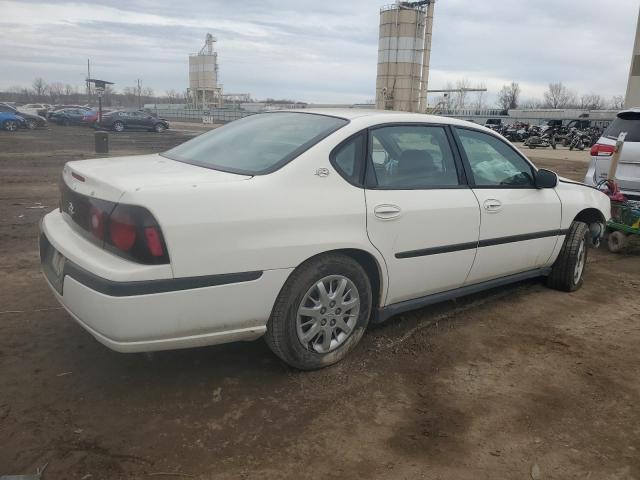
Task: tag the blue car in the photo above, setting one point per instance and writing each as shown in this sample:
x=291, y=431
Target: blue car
x=11, y=121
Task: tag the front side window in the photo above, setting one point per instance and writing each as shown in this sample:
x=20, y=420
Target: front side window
x=256, y=144
x=410, y=156
x=493, y=162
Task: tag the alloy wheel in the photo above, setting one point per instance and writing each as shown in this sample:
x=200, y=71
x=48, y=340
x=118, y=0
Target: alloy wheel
x=579, y=268
x=328, y=314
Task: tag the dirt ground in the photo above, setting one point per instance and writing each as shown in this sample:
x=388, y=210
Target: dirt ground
x=523, y=382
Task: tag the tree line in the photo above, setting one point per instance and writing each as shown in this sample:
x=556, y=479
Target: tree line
x=65, y=93
x=557, y=96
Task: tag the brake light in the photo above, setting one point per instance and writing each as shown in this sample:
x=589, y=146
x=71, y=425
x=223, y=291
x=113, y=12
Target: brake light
x=133, y=233
x=122, y=231
x=600, y=150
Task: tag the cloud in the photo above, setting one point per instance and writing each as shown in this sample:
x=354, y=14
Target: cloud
x=316, y=51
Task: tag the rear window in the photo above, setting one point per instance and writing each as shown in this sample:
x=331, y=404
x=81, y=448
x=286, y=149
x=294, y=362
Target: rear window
x=625, y=122
x=256, y=144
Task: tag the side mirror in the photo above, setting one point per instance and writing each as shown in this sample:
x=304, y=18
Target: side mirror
x=546, y=179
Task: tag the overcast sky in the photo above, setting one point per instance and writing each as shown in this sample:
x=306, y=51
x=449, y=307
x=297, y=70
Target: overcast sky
x=316, y=51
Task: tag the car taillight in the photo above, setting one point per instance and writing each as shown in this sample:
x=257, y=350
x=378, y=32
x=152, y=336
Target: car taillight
x=134, y=233
x=600, y=150
x=122, y=230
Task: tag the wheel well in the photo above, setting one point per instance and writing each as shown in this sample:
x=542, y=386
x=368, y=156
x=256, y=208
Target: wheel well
x=589, y=216
x=370, y=265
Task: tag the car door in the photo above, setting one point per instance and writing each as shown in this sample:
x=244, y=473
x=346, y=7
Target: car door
x=421, y=214
x=520, y=224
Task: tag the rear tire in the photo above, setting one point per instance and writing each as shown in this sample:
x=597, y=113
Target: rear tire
x=616, y=241
x=290, y=332
x=118, y=126
x=568, y=270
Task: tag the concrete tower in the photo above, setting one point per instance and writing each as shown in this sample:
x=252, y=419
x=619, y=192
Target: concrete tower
x=633, y=87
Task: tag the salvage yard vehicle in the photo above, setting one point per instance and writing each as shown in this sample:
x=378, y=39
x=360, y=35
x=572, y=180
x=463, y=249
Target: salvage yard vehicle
x=132, y=120
x=68, y=116
x=306, y=226
x=30, y=121
x=11, y=122
x=628, y=172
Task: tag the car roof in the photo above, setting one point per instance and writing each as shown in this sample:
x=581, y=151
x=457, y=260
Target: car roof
x=374, y=117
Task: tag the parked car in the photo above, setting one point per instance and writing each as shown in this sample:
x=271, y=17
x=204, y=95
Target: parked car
x=493, y=123
x=306, y=226
x=30, y=121
x=57, y=108
x=10, y=121
x=91, y=116
x=133, y=120
x=39, y=109
x=628, y=173
x=68, y=116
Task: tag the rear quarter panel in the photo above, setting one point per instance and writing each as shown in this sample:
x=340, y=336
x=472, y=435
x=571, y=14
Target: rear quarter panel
x=266, y=222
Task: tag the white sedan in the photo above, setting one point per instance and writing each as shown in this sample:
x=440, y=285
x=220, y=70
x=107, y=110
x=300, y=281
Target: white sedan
x=305, y=226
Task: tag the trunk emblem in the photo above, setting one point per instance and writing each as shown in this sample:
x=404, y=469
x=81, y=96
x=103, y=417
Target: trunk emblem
x=322, y=172
x=71, y=209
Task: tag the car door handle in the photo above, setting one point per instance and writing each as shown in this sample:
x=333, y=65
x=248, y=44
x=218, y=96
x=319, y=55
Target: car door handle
x=386, y=212
x=492, y=205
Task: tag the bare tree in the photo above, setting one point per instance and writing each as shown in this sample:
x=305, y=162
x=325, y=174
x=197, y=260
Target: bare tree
x=480, y=103
x=591, y=101
x=509, y=96
x=171, y=95
x=460, y=97
x=616, y=102
x=558, y=96
x=56, y=91
x=39, y=87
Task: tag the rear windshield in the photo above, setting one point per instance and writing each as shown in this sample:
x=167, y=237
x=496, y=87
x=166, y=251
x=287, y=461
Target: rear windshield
x=256, y=144
x=625, y=122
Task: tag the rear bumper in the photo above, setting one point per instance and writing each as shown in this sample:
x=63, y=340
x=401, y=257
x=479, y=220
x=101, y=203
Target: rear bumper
x=161, y=314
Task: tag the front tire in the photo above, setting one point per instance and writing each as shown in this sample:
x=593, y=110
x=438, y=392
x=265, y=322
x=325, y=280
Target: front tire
x=118, y=126
x=321, y=312
x=10, y=125
x=32, y=124
x=159, y=128
x=568, y=270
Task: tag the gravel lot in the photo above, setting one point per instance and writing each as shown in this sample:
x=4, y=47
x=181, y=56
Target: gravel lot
x=523, y=382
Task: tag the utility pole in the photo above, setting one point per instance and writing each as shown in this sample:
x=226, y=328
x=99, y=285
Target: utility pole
x=88, y=82
x=139, y=105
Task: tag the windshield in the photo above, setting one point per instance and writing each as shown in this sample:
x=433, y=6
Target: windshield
x=256, y=144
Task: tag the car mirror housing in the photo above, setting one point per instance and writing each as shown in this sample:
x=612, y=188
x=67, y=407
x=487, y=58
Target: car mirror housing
x=546, y=179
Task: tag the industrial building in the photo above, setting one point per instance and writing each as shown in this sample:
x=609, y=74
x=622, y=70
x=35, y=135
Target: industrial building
x=404, y=51
x=203, y=76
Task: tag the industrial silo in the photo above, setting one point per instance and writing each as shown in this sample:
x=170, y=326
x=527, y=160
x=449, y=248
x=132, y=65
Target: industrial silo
x=203, y=75
x=403, y=56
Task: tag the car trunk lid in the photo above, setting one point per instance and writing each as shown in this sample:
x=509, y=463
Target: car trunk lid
x=101, y=183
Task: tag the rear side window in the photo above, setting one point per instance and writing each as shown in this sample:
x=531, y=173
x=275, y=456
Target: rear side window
x=347, y=159
x=410, y=157
x=625, y=122
x=257, y=144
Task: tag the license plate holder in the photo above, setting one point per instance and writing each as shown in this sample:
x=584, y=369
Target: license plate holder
x=53, y=263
